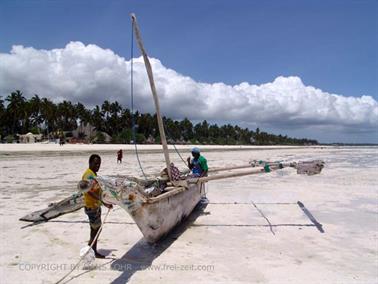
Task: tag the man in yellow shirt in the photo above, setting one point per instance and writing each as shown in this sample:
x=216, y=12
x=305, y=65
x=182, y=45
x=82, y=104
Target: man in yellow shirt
x=92, y=200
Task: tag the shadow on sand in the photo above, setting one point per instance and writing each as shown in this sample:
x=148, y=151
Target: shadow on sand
x=142, y=254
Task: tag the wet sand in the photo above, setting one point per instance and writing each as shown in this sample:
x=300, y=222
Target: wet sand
x=251, y=231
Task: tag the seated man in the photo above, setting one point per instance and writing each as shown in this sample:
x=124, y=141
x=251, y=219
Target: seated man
x=199, y=164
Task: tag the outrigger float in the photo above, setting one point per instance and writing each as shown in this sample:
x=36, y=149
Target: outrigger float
x=159, y=204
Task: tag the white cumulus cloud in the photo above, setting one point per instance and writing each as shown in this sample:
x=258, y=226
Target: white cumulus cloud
x=90, y=74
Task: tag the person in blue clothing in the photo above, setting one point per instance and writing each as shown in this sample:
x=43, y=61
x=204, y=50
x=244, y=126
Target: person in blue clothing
x=198, y=164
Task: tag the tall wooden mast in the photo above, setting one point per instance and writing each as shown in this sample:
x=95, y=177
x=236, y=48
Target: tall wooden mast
x=154, y=94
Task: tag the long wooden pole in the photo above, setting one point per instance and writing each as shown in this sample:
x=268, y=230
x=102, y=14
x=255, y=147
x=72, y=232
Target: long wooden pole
x=154, y=94
x=229, y=168
x=239, y=174
x=253, y=165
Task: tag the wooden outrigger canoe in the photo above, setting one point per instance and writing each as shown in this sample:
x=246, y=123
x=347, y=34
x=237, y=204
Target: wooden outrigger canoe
x=155, y=216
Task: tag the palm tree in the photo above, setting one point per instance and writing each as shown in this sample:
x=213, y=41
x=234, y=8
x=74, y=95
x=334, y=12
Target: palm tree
x=115, y=110
x=214, y=133
x=16, y=110
x=3, y=116
x=97, y=120
x=105, y=113
x=34, y=111
x=201, y=131
x=48, y=114
x=186, y=128
x=66, y=116
x=83, y=115
x=125, y=118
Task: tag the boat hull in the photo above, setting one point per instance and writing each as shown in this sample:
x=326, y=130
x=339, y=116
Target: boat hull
x=156, y=218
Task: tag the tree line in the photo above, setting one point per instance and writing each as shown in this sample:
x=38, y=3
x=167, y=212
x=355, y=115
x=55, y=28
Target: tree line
x=19, y=115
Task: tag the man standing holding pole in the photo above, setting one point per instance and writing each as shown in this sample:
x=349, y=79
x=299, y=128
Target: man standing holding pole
x=92, y=200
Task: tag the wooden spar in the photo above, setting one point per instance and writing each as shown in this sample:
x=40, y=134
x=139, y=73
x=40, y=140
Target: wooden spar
x=243, y=167
x=231, y=175
x=239, y=174
x=154, y=94
x=229, y=168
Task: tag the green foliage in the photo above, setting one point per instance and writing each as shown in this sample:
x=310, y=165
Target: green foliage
x=35, y=130
x=124, y=137
x=158, y=139
x=40, y=115
x=9, y=139
x=140, y=138
x=100, y=138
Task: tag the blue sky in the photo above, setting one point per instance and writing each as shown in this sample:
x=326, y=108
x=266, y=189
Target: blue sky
x=331, y=45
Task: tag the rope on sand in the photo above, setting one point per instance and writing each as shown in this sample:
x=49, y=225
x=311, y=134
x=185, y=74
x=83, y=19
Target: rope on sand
x=81, y=258
x=262, y=215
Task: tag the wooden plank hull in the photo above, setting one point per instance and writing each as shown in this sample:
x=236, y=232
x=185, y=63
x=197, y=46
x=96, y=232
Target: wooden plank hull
x=154, y=216
x=155, y=219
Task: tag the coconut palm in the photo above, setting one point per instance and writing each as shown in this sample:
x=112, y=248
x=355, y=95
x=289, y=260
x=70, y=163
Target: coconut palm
x=97, y=119
x=66, y=115
x=114, y=121
x=34, y=111
x=83, y=115
x=48, y=114
x=16, y=110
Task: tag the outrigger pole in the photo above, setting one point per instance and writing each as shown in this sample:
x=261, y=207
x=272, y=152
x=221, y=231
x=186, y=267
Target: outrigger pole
x=306, y=167
x=154, y=94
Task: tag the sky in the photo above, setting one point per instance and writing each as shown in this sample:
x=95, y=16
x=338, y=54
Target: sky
x=298, y=68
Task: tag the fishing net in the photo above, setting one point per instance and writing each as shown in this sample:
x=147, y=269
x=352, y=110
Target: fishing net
x=121, y=191
x=88, y=257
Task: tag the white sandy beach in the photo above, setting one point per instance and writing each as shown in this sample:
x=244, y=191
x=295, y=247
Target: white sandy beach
x=229, y=242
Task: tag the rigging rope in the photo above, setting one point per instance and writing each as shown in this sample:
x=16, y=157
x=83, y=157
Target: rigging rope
x=178, y=153
x=174, y=146
x=132, y=100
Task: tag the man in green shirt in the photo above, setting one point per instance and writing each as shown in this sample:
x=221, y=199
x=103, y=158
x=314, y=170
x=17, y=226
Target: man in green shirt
x=198, y=164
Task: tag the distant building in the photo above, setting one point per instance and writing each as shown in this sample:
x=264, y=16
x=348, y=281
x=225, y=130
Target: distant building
x=29, y=137
x=88, y=133
x=150, y=140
